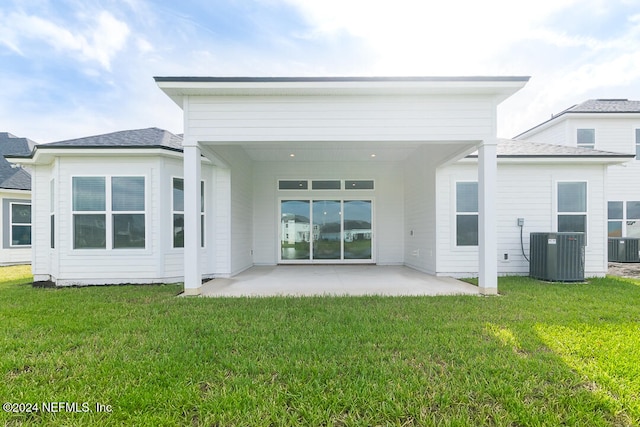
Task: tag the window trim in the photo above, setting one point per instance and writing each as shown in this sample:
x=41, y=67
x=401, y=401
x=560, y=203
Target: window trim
x=203, y=212
x=20, y=224
x=557, y=213
x=109, y=214
x=591, y=146
x=456, y=214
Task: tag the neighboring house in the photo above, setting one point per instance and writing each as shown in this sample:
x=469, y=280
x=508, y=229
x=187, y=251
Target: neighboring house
x=15, y=202
x=389, y=171
x=610, y=125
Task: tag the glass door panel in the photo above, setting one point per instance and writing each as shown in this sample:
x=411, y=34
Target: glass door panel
x=357, y=229
x=295, y=225
x=327, y=230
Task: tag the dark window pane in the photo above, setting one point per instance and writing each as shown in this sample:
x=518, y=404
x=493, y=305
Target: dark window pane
x=357, y=229
x=293, y=185
x=633, y=210
x=178, y=194
x=178, y=231
x=358, y=184
x=615, y=210
x=633, y=229
x=467, y=230
x=53, y=231
x=127, y=193
x=202, y=231
x=574, y=223
x=128, y=231
x=201, y=196
x=572, y=197
x=615, y=229
x=89, y=231
x=20, y=235
x=89, y=193
x=20, y=214
x=467, y=197
x=325, y=185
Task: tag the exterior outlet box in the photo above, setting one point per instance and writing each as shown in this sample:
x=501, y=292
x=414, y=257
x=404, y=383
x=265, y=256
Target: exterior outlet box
x=520, y=222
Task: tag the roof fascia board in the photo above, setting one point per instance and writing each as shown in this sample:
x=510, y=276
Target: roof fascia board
x=44, y=155
x=499, y=87
x=556, y=159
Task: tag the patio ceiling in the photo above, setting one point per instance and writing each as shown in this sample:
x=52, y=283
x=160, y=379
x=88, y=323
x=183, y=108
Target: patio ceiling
x=352, y=151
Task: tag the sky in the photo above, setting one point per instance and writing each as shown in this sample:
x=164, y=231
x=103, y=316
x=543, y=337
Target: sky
x=75, y=68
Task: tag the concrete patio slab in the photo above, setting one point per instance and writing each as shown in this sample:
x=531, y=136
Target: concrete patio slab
x=308, y=280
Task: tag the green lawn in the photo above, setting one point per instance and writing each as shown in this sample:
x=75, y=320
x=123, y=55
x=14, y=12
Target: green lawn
x=540, y=354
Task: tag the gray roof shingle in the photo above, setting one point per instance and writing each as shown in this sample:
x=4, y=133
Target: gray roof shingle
x=508, y=148
x=593, y=106
x=10, y=177
x=138, y=138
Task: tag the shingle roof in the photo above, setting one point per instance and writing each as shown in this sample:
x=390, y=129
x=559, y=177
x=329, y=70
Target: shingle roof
x=10, y=177
x=606, y=106
x=593, y=106
x=508, y=148
x=138, y=138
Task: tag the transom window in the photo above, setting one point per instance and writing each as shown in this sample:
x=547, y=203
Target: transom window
x=326, y=184
x=572, y=207
x=108, y=212
x=20, y=224
x=466, y=214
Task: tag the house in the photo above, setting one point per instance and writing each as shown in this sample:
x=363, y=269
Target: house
x=609, y=125
x=15, y=202
x=387, y=171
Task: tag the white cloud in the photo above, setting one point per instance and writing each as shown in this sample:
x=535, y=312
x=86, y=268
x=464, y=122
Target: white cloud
x=100, y=40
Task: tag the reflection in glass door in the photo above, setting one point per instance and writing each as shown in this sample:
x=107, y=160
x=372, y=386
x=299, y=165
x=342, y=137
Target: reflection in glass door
x=325, y=230
x=295, y=231
x=327, y=221
x=357, y=229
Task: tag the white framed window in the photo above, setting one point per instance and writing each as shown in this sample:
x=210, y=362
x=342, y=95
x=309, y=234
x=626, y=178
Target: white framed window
x=572, y=206
x=586, y=138
x=52, y=214
x=632, y=219
x=637, y=144
x=20, y=224
x=108, y=212
x=615, y=217
x=466, y=213
x=177, y=209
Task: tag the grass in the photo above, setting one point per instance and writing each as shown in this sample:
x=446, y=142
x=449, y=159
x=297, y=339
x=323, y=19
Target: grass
x=540, y=354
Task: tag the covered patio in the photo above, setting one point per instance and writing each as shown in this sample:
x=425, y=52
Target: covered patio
x=335, y=280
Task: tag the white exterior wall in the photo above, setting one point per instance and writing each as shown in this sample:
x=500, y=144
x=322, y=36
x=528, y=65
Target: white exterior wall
x=387, y=197
x=9, y=255
x=345, y=118
x=158, y=262
x=524, y=191
x=234, y=221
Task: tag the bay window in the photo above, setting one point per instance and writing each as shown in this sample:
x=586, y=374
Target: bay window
x=108, y=212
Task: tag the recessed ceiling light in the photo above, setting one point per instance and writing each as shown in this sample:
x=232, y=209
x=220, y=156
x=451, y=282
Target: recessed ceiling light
x=292, y=155
x=373, y=155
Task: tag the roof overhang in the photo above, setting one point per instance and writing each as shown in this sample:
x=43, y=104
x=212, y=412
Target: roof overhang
x=45, y=155
x=557, y=159
x=498, y=88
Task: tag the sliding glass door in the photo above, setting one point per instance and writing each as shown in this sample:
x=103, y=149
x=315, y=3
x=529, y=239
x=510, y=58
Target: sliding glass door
x=325, y=230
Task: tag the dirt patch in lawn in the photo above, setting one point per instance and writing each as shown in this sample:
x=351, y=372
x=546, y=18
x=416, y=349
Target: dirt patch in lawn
x=625, y=269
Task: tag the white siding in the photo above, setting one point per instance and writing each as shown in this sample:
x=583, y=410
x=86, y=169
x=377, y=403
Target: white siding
x=236, y=183
x=520, y=195
x=388, y=202
x=556, y=135
x=345, y=118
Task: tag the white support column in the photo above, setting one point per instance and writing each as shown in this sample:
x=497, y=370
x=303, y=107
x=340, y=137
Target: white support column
x=192, y=178
x=487, y=219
